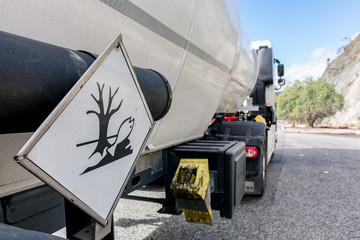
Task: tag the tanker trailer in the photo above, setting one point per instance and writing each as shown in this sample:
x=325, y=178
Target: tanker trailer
x=195, y=53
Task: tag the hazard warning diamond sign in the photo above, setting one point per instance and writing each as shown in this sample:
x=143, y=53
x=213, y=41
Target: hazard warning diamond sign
x=87, y=148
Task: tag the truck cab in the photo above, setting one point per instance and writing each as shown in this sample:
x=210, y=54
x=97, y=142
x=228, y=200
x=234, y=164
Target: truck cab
x=255, y=122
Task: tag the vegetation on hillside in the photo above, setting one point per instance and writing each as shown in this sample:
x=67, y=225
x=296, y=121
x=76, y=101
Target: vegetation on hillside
x=309, y=100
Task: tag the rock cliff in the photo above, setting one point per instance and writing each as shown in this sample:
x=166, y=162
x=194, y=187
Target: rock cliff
x=344, y=72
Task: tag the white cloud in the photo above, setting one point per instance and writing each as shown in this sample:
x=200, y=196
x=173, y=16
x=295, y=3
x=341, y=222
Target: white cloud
x=318, y=53
x=313, y=66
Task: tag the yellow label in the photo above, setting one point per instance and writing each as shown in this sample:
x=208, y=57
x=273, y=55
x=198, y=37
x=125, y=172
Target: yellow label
x=260, y=118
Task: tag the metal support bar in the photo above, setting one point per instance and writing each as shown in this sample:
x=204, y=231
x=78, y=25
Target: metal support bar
x=79, y=225
x=170, y=205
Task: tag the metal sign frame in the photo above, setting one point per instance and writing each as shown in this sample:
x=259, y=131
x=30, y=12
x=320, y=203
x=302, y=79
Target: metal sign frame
x=23, y=159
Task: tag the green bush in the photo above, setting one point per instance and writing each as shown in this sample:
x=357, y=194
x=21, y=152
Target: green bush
x=309, y=100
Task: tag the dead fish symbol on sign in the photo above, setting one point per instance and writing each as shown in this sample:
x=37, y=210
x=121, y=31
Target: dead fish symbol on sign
x=122, y=139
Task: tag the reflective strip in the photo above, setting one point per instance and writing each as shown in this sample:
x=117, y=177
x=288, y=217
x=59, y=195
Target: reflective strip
x=135, y=13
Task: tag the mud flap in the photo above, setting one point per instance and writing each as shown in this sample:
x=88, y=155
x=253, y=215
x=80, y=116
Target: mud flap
x=190, y=187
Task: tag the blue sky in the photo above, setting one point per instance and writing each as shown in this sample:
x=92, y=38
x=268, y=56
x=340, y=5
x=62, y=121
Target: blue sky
x=303, y=33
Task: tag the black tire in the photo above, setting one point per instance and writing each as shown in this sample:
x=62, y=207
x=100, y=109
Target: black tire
x=263, y=171
x=263, y=176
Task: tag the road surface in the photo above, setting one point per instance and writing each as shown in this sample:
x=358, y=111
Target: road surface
x=313, y=192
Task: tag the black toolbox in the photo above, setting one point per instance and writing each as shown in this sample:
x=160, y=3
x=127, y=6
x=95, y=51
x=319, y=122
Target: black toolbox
x=227, y=166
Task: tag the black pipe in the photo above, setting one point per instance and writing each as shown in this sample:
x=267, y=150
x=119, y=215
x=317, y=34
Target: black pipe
x=35, y=76
x=156, y=90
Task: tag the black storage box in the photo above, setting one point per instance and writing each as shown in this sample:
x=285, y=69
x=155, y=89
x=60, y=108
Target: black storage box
x=227, y=169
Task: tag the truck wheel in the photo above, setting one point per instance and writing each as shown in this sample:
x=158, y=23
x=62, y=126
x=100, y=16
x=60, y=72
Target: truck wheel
x=263, y=175
x=263, y=171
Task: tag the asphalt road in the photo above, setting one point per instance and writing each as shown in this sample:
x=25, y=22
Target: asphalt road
x=313, y=192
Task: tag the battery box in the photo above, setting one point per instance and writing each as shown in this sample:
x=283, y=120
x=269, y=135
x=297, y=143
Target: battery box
x=227, y=167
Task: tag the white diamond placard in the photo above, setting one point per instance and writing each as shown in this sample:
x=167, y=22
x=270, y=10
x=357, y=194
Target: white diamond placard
x=87, y=148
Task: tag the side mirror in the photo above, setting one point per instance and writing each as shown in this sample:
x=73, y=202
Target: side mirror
x=280, y=71
x=281, y=81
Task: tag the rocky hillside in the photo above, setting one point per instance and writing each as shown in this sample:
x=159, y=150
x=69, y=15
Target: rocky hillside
x=344, y=72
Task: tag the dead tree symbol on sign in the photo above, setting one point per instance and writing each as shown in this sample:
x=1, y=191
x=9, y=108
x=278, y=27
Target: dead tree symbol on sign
x=110, y=151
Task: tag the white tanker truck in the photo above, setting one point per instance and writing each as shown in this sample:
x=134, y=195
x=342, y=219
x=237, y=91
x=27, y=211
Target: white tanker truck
x=208, y=92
